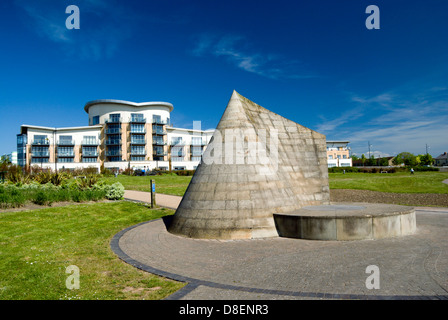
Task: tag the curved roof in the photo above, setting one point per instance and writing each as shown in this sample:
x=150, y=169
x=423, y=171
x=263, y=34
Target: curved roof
x=128, y=103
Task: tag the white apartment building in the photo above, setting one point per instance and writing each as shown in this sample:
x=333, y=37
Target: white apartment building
x=338, y=154
x=121, y=134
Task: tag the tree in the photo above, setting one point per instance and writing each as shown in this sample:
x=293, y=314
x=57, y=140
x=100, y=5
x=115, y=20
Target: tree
x=371, y=161
x=383, y=162
x=363, y=159
x=426, y=159
x=405, y=158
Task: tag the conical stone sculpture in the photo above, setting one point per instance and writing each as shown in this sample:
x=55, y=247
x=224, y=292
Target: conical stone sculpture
x=257, y=163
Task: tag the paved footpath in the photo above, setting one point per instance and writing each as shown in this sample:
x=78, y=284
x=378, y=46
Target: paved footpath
x=410, y=267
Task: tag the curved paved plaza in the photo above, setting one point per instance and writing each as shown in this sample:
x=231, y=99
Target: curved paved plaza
x=410, y=267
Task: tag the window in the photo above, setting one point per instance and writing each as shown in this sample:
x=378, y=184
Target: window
x=137, y=158
x=140, y=128
x=40, y=152
x=140, y=150
x=137, y=117
x=196, y=151
x=113, y=128
x=157, y=129
x=157, y=140
x=157, y=150
x=176, y=159
x=65, y=140
x=95, y=120
x=339, y=156
x=115, y=117
x=176, y=140
x=91, y=159
x=195, y=158
x=156, y=118
x=179, y=168
x=89, y=152
x=65, y=152
x=196, y=141
x=65, y=160
x=39, y=160
x=177, y=151
x=89, y=140
x=344, y=156
x=41, y=139
x=330, y=157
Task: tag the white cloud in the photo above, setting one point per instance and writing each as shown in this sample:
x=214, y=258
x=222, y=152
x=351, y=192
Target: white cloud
x=394, y=122
x=237, y=51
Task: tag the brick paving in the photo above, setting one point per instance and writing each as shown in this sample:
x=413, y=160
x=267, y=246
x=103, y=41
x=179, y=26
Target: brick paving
x=411, y=267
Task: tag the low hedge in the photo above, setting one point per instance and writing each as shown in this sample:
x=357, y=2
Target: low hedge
x=14, y=196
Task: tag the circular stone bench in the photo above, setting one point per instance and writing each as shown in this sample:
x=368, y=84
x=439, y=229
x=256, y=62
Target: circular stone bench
x=347, y=221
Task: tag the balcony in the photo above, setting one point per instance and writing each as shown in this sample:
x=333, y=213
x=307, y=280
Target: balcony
x=138, y=141
x=198, y=144
x=113, y=120
x=177, y=143
x=90, y=143
x=159, y=142
x=90, y=153
x=137, y=131
x=66, y=143
x=113, y=130
x=159, y=132
x=113, y=153
x=159, y=153
x=66, y=154
x=40, y=154
x=137, y=120
x=138, y=152
x=157, y=121
x=113, y=142
x=40, y=142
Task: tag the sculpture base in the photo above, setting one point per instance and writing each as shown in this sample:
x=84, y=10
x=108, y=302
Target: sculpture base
x=347, y=221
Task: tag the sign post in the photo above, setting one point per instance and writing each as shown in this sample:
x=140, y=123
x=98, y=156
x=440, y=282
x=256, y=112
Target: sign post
x=153, y=193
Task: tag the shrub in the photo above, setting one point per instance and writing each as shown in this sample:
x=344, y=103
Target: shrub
x=114, y=191
x=42, y=198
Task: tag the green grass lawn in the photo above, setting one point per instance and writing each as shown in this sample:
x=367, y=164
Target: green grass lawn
x=400, y=182
x=167, y=184
x=37, y=246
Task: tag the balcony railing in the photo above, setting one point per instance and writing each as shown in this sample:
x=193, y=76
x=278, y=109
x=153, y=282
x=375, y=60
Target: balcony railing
x=198, y=144
x=156, y=121
x=89, y=142
x=66, y=142
x=177, y=143
x=113, y=153
x=196, y=154
x=114, y=120
x=90, y=154
x=138, y=141
x=66, y=154
x=113, y=130
x=41, y=142
x=113, y=142
x=138, y=131
x=138, y=152
x=137, y=120
x=159, y=153
x=42, y=154
x=159, y=142
x=159, y=132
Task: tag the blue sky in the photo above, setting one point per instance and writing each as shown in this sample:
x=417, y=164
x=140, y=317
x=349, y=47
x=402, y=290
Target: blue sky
x=314, y=62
